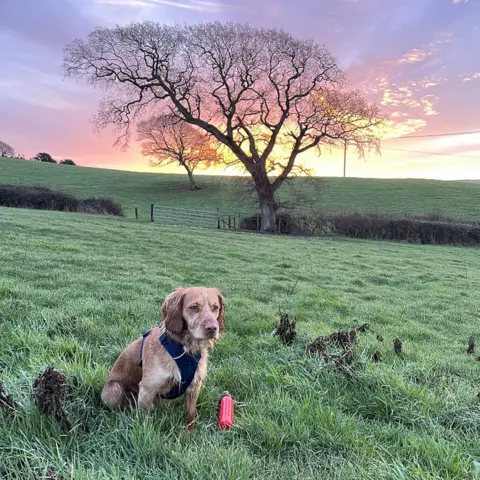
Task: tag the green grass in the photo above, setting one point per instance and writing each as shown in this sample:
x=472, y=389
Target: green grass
x=140, y=190
x=76, y=289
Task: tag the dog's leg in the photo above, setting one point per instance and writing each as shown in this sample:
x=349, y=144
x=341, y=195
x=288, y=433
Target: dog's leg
x=158, y=375
x=153, y=384
x=113, y=394
x=147, y=397
x=191, y=397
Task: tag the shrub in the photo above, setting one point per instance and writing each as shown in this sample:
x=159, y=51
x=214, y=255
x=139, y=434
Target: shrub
x=44, y=157
x=310, y=224
x=429, y=228
x=283, y=225
x=105, y=206
x=67, y=161
x=42, y=198
x=250, y=223
x=305, y=224
x=413, y=229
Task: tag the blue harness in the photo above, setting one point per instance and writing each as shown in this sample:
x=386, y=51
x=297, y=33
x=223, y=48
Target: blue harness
x=187, y=363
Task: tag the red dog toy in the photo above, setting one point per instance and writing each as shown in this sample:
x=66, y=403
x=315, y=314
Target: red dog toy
x=225, y=412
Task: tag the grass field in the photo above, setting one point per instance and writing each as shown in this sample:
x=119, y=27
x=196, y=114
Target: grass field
x=75, y=289
x=140, y=190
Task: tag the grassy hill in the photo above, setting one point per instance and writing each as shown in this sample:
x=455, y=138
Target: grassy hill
x=76, y=289
x=132, y=190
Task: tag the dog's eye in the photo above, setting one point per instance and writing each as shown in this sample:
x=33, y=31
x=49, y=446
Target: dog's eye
x=194, y=308
x=215, y=308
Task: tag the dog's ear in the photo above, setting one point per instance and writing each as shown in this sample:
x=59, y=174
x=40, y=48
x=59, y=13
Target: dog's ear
x=172, y=311
x=221, y=313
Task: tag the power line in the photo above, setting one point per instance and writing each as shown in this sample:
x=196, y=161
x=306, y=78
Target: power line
x=452, y=134
x=432, y=153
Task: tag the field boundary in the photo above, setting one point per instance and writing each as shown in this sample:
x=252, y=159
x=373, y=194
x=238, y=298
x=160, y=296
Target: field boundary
x=193, y=218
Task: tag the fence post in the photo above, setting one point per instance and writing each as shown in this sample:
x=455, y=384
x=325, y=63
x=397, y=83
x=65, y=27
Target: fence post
x=151, y=212
x=136, y=213
x=234, y=223
x=218, y=218
x=229, y=222
x=258, y=223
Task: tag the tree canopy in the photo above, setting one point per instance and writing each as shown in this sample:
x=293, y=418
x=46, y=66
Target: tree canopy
x=44, y=157
x=266, y=96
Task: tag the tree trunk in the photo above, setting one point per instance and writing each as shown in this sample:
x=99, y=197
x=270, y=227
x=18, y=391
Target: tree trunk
x=268, y=215
x=266, y=196
x=193, y=183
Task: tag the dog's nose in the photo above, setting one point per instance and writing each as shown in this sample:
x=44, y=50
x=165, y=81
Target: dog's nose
x=210, y=327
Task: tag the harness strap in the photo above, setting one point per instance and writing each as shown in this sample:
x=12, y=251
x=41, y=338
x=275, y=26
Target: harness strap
x=145, y=334
x=186, y=362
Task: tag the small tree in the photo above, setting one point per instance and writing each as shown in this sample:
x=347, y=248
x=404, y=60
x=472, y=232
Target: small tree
x=44, y=157
x=166, y=140
x=259, y=92
x=67, y=161
x=6, y=150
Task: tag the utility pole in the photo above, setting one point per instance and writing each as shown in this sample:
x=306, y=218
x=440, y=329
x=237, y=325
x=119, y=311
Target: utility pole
x=345, y=160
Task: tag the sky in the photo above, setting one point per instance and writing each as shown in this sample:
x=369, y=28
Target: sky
x=417, y=58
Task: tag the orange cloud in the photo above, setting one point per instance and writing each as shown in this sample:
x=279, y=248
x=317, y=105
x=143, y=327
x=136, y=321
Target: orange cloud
x=395, y=128
x=466, y=76
x=428, y=102
x=430, y=82
x=415, y=55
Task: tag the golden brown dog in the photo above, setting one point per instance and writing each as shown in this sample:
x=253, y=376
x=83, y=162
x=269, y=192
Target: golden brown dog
x=171, y=359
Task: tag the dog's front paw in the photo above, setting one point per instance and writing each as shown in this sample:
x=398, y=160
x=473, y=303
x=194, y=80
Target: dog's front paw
x=191, y=426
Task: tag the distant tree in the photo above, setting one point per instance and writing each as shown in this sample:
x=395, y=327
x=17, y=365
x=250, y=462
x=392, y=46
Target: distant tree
x=167, y=139
x=6, y=150
x=67, y=161
x=44, y=157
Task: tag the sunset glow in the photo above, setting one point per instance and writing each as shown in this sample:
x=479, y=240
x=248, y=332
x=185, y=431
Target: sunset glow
x=415, y=58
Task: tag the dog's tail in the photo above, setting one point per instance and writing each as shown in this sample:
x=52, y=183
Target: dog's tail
x=114, y=395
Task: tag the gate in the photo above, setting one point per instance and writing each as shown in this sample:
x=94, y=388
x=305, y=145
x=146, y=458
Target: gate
x=190, y=218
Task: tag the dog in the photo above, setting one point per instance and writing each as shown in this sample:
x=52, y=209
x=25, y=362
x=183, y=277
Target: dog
x=170, y=360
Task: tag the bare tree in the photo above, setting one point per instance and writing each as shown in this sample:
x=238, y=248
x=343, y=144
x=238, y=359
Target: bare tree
x=6, y=150
x=167, y=139
x=265, y=95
